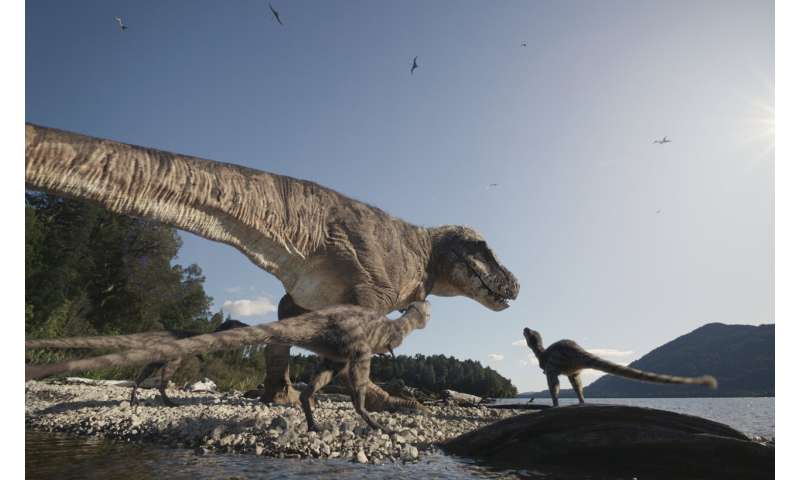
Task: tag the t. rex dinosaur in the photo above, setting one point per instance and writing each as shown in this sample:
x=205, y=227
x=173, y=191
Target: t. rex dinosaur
x=325, y=248
x=566, y=357
x=345, y=336
x=135, y=340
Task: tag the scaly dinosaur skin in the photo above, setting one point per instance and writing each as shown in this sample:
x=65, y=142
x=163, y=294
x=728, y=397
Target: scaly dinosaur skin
x=325, y=248
x=566, y=357
x=135, y=340
x=346, y=336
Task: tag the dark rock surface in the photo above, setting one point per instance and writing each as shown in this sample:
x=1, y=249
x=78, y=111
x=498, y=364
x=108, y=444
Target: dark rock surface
x=618, y=440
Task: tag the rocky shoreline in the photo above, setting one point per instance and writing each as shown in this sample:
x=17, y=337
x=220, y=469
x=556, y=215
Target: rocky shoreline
x=229, y=422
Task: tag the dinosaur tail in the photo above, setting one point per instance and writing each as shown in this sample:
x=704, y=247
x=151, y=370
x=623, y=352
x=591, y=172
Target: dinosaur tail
x=167, y=350
x=636, y=374
x=136, y=340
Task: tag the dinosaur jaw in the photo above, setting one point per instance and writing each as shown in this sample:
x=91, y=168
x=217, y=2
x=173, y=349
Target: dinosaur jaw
x=493, y=301
x=468, y=282
x=489, y=286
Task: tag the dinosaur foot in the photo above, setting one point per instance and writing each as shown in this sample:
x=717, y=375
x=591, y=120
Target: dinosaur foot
x=280, y=394
x=377, y=400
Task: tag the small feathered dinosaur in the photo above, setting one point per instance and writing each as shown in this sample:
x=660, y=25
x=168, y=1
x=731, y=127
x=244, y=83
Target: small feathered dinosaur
x=122, y=26
x=346, y=336
x=566, y=357
x=414, y=66
x=663, y=141
x=135, y=340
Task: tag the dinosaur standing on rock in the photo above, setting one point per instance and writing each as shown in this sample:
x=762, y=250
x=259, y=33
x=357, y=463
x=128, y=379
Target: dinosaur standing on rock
x=325, y=248
x=566, y=357
x=135, y=340
x=345, y=336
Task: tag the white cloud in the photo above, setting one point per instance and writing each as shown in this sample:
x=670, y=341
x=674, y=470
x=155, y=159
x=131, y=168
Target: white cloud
x=249, y=308
x=520, y=343
x=610, y=352
x=532, y=360
x=496, y=357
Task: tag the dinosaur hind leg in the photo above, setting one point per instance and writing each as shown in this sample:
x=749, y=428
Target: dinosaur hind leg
x=277, y=384
x=577, y=386
x=148, y=370
x=553, y=386
x=166, y=375
x=359, y=380
x=322, y=378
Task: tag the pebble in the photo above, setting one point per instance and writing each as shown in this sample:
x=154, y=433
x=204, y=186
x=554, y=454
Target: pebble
x=212, y=422
x=361, y=457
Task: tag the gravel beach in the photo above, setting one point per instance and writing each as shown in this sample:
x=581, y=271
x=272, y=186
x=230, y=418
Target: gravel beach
x=228, y=422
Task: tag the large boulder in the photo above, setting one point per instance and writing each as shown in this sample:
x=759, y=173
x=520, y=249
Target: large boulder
x=617, y=440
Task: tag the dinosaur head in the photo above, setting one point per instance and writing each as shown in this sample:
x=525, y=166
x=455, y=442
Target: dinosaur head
x=465, y=265
x=533, y=339
x=421, y=312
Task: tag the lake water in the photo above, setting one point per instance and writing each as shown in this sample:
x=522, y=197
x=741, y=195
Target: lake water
x=50, y=456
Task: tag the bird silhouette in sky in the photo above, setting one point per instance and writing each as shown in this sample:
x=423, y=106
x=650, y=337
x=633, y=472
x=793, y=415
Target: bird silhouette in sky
x=414, y=66
x=662, y=141
x=122, y=26
x=275, y=14
x=524, y=43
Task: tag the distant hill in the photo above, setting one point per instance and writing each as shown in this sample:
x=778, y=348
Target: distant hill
x=741, y=357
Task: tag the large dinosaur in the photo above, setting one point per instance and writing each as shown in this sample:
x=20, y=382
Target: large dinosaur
x=135, y=340
x=325, y=248
x=566, y=357
x=345, y=336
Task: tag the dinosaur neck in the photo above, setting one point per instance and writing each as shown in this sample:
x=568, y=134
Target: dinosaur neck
x=391, y=333
x=538, y=349
x=275, y=220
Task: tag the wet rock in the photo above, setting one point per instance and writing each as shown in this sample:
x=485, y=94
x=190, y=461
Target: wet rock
x=201, y=451
x=279, y=422
x=620, y=440
x=361, y=457
x=410, y=453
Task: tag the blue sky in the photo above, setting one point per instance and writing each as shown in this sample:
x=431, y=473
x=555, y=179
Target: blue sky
x=618, y=243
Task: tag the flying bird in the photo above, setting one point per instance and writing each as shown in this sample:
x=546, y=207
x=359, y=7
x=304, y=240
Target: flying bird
x=275, y=14
x=662, y=141
x=414, y=66
x=122, y=26
x=524, y=43
x=658, y=211
x=493, y=184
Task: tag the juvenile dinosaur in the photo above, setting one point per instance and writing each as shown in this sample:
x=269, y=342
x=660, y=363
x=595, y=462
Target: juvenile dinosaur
x=566, y=357
x=346, y=336
x=325, y=248
x=135, y=340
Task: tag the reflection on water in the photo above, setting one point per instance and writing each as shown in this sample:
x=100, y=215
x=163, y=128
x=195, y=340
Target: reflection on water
x=49, y=455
